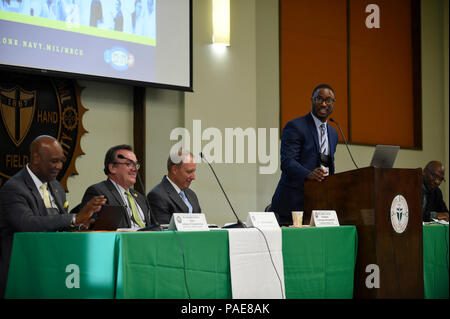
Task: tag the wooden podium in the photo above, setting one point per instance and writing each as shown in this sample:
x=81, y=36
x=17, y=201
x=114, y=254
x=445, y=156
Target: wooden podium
x=365, y=198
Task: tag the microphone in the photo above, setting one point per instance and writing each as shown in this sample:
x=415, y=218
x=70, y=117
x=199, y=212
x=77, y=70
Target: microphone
x=239, y=224
x=342, y=134
x=156, y=226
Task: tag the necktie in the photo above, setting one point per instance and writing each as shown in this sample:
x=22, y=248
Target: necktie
x=45, y=195
x=136, y=217
x=323, y=139
x=185, y=200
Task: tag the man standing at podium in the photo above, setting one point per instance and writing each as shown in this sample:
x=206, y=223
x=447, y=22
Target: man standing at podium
x=308, y=145
x=433, y=205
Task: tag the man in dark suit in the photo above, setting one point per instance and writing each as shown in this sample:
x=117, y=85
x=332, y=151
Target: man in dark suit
x=173, y=195
x=308, y=145
x=121, y=167
x=433, y=205
x=34, y=201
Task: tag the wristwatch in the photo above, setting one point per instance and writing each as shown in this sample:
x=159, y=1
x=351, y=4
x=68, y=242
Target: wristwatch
x=74, y=220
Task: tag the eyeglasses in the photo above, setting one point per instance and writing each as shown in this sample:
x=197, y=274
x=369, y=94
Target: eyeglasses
x=320, y=100
x=129, y=164
x=434, y=176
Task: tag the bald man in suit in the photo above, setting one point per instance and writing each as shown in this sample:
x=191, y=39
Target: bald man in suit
x=34, y=201
x=173, y=194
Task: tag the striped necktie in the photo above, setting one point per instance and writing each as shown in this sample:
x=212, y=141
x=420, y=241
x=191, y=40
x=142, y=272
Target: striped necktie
x=323, y=139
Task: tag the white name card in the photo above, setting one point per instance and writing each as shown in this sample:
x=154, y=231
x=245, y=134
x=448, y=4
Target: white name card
x=324, y=218
x=188, y=222
x=262, y=220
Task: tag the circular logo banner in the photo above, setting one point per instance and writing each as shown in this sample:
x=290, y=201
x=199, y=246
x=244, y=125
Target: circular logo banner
x=33, y=105
x=399, y=214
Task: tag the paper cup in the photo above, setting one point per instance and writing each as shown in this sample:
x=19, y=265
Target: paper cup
x=297, y=218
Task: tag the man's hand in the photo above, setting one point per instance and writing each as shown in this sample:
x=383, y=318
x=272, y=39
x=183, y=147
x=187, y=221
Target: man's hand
x=318, y=174
x=95, y=204
x=442, y=216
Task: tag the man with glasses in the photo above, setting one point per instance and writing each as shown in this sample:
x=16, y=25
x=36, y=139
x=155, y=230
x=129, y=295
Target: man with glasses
x=433, y=205
x=121, y=167
x=308, y=145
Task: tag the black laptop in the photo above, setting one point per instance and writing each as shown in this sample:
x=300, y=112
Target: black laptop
x=384, y=156
x=109, y=218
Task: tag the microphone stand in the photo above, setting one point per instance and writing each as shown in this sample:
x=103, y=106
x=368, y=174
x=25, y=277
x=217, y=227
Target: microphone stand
x=238, y=224
x=342, y=134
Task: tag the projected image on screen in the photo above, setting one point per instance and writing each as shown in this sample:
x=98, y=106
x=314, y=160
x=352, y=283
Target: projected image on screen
x=107, y=38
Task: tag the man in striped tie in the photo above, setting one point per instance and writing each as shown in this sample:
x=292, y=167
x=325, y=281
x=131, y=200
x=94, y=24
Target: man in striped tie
x=308, y=145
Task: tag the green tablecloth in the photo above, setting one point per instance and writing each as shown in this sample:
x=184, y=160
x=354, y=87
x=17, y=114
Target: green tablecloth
x=318, y=263
x=41, y=265
x=435, y=261
x=151, y=265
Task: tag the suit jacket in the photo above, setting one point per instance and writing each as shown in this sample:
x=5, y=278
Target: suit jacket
x=113, y=198
x=165, y=201
x=432, y=201
x=299, y=156
x=22, y=209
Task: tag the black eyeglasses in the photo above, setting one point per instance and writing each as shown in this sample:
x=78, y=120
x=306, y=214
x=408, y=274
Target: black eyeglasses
x=440, y=179
x=320, y=100
x=129, y=164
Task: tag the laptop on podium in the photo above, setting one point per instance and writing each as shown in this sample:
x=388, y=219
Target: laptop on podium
x=384, y=156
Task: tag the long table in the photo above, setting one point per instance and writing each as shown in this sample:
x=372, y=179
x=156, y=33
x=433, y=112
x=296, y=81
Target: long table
x=318, y=263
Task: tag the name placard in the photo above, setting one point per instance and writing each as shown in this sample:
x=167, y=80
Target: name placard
x=324, y=218
x=262, y=220
x=188, y=222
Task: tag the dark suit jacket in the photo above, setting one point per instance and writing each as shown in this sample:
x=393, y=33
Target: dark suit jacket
x=299, y=157
x=22, y=210
x=113, y=198
x=434, y=202
x=165, y=201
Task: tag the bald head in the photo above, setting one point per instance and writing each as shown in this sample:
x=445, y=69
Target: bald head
x=46, y=157
x=433, y=174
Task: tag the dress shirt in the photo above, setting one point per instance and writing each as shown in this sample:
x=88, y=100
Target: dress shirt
x=38, y=184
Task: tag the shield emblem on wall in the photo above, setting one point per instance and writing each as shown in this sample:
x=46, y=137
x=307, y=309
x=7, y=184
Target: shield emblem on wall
x=17, y=108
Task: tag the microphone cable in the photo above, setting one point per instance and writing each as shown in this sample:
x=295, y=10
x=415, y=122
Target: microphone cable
x=273, y=263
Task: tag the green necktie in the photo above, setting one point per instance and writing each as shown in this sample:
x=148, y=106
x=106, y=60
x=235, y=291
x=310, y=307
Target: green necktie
x=136, y=217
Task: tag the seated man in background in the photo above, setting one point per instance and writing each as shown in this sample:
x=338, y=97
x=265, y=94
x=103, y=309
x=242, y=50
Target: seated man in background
x=121, y=167
x=173, y=195
x=433, y=205
x=34, y=201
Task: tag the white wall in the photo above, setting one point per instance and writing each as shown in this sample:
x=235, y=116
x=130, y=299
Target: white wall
x=109, y=121
x=224, y=97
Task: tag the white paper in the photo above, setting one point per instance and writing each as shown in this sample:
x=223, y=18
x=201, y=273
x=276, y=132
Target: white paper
x=253, y=274
x=324, y=218
x=188, y=222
